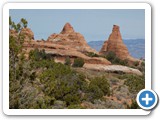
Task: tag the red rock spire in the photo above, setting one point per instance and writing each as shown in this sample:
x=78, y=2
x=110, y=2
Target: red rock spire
x=67, y=29
x=115, y=44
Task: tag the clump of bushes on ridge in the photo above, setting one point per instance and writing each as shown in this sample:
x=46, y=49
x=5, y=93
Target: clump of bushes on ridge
x=92, y=54
x=111, y=56
x=67, y=61
x=78, y=62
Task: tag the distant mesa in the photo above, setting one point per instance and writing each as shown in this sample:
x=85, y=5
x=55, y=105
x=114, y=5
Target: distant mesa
x=115, y=44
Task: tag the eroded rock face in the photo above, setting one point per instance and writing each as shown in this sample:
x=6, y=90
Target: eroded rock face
x=115, y=44
x=104, y=48
x=13, y=33
x=61, y=52
x=66, y=44
x=27, y=34
x=72, y=39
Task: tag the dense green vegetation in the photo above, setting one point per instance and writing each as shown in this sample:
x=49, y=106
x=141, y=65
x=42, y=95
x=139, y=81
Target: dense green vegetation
x=37, y=55
x=44, y=82
x=67, y=61
x=97, y=88
x=39, y=82
x=78, y=62
x=111, y=56
x=135, y=83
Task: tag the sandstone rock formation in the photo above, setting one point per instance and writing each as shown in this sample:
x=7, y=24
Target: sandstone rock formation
x=67, y=29
x=73, y=45
x=113, y=68
x=66, y=44
x=61, y=52
x=69, y=38
x=116, y=45
x=13, y=33
x=27, y=34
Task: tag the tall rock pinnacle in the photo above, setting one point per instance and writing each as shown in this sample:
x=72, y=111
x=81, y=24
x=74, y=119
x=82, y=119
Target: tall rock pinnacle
x=116, y=45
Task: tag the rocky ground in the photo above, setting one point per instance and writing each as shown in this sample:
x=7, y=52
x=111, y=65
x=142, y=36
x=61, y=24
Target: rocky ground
x=121, y=97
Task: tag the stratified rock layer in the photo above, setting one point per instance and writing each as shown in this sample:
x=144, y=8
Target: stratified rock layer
x=61, y=52
x=73, y=45
x=69, y=38
x=66, y=44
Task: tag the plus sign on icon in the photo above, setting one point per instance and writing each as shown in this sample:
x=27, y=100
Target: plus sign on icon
x=147, y=99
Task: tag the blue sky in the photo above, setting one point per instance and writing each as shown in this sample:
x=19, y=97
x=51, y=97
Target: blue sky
x=93, y=24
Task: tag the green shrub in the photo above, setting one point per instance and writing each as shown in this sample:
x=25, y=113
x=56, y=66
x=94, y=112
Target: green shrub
x=97, y=88
x=93, y=92
x=124, y=62
x=78, y=62
x=92, y=54
x=111, y=56
x=68, y=88
x=143, y=64
x=63, y=83
x=136, y=63
x=67, y=61
x=135, y=83
x=102, y=83
x=37, y=55
x=116, y=60
x=72, y=99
